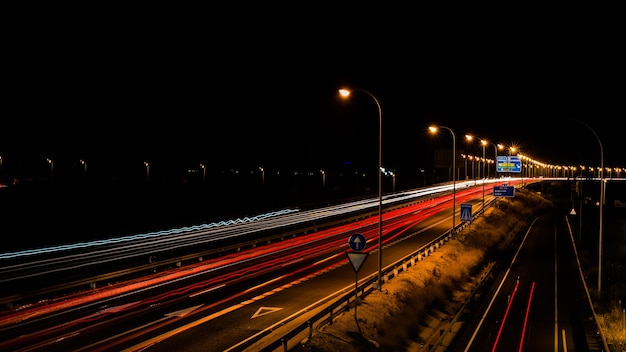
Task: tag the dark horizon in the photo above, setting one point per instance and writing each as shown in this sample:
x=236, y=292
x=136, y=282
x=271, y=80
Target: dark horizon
x=121, y=88
x=141, y=90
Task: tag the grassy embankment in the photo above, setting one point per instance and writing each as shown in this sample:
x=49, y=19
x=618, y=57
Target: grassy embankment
x=409, y=300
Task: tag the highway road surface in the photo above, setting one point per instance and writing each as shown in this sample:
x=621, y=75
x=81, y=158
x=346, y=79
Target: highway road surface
x=228, y=298
x=540, y=303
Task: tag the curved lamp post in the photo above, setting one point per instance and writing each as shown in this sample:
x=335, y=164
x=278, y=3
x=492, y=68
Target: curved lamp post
x=51, y=162
x=601, y=174
x=147, y=165
x=434, y=129
x=495, y=157
x=346, y=93
x=468, y=139
x=84, y=164
x=483, y=143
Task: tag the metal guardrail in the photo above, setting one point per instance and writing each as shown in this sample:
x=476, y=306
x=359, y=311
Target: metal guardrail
x=96, y=278
x=328, y=313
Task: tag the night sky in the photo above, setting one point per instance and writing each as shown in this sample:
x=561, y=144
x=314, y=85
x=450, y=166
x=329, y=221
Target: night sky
x=231, y=90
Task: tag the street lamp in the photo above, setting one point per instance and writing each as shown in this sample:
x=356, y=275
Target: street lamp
x=601, y=174
x=484, y=143
x=465, y=167
x=346, y=93
x=51, y=162
x=482, y=165
x=147, y=165
x=469, y=138
x=84, y=164
x=203, y=167
x=262, y=175
x=434, y=129
x=495, y=157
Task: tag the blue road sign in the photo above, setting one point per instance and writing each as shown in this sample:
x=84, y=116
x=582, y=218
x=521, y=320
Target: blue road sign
x=516, y=162
x=506, y=163
x=466, y=212
x=503, y=191
x=357, y=242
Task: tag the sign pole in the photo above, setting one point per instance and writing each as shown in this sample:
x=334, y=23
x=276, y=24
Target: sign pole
x=356, y=297
x=357, y=243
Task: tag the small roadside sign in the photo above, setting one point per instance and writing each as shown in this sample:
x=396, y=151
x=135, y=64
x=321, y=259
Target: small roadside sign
x=504, y=191
x=466, y=212
x=357, y=242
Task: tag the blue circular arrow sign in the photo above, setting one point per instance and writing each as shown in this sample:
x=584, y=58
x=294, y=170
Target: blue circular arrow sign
x=357, y=242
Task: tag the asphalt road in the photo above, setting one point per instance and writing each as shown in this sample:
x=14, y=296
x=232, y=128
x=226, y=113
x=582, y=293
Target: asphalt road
x=275, y=305
x=539, y=303
x=542, y=286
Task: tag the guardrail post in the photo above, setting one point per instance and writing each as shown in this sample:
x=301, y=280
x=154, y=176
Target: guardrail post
x=330, y=322
x=310, y=329
x=284, y=341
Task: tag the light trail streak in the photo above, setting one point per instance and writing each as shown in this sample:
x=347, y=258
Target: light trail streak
x=530, y=298
x=239, y=258
x=508, y=307
x=328, y=240
x=141, y=236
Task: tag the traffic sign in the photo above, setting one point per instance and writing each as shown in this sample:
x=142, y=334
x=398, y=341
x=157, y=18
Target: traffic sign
x=503, y=191
x=356, y=259
x=466, y=212
x=357, y=242
x=505, y=163
x=516, y=162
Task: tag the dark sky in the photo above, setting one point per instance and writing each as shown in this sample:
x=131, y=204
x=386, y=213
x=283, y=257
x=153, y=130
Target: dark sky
x=199, y=85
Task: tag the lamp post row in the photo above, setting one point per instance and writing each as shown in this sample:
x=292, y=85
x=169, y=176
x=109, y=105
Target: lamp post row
x=433, y=129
